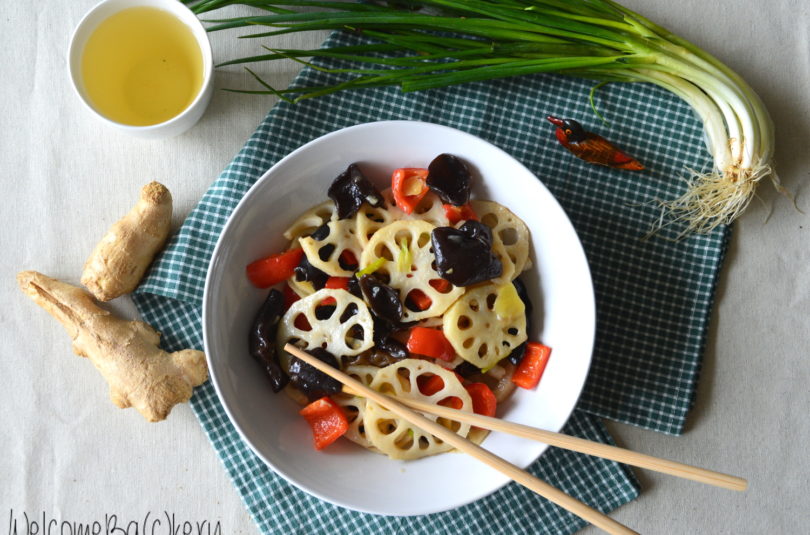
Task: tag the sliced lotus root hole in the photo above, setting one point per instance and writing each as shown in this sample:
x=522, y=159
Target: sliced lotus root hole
x=324, y=311
x=482, y=350
x=425, y=205
x=404, y=376
x=347, y=260
x=405, y=441
x=423, y=240
x=464, y=323
x=349, y=311
x=441, y=285
x=429, y=383
x=364, y=378
x=373, y=215
x=509, y=236
x=302, y=323
x=387, y=427
x=416, y=297
x=354, y=338
x=325, y=253
x=468, y=343
x=384, y=251
x=491, y=300
x=453, y=402
x=490, y=220
x=474, y=305
x=351, y=412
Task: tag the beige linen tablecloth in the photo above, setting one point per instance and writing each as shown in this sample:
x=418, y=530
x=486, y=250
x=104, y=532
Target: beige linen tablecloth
x=68, y=454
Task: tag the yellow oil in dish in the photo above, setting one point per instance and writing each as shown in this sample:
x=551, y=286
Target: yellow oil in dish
x=142, y=66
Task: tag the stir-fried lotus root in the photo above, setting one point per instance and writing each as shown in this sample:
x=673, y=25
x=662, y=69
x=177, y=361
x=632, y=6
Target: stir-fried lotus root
x=509, y=235
x=309, y=221
x=477, y=332
x=306, y=224
x=405, y=245
x=325, y=253
x=355, y=406
x=347, y=329
x=371, y=219
x=398, y=438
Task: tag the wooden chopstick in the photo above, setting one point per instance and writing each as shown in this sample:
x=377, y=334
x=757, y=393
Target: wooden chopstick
x=597, y=449
x=520, y=476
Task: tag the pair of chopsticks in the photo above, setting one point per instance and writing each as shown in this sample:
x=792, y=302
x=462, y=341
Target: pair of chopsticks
x=598, y=519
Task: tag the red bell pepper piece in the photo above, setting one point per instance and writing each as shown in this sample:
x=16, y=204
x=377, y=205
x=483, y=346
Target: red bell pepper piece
x=275, y=268
x=335, y=283
x=453, y=402
x=459, y=213
x=409, y=186
x=430, y=343
x=302, y=323
x=327, y=420
x=442, y=286
x=429, y=385
x=420, y=300
x=483, y=399
x=531, y=368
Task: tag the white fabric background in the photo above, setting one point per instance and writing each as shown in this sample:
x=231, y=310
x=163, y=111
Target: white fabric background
x=65, y=450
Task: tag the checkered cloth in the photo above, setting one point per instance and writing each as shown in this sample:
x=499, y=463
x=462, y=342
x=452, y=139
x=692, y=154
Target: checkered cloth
x=654, y=297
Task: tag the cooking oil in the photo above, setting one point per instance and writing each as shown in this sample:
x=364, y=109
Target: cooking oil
x=142, y=66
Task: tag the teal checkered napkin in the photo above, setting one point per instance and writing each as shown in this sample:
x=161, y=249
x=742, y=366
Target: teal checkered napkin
x=654, y=297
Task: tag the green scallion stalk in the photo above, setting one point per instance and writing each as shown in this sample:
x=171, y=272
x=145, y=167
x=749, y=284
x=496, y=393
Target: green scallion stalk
x=435, y=43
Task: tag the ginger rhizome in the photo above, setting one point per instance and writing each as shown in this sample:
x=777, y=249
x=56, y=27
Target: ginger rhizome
x=139, y=373
x=117, y=264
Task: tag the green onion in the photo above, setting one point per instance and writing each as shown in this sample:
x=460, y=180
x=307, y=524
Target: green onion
x=371, y=268
x=435, y=43
x=405, y=258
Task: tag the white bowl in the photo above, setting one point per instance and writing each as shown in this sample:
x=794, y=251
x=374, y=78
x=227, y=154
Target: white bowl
x=177, y=124
x=345, y=474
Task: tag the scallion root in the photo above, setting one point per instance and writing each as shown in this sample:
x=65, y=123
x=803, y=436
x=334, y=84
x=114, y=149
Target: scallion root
x=714, y=199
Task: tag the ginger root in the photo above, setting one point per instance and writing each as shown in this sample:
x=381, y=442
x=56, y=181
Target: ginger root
x=139, y=373
x=117, y=264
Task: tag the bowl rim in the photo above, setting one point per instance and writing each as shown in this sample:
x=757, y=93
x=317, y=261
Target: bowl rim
x=206, y=313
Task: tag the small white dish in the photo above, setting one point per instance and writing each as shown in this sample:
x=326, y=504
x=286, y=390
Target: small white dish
x=345, y=474
x=177, y=124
